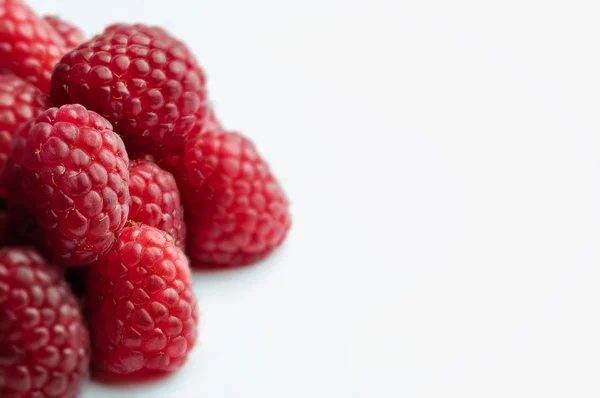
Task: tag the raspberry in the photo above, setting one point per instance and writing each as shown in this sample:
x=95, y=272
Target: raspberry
x=142, y=309
x=140, y=79
x=44, y=344
x=70, y=34
x=72, y=173
x=29, y=47
x=19, y=102
x=235, y=211
x=155, y=200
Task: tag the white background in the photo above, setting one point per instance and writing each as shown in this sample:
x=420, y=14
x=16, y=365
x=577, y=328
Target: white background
x=443, y=163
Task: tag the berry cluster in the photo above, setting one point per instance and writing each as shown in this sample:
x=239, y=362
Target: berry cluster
x=116, y=179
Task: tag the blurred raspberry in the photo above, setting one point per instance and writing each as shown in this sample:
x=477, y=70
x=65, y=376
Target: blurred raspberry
x=19, y=102
x=70, y=34
x=44, y=344
x=29, y=47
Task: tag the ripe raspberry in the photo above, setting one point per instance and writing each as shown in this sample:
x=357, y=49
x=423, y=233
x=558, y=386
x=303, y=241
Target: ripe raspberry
x=155, y=200
x=139, y=78
x=72, y=173
x=29, y=47
x=235, y=211
x=142, y=309
x=70, y=34
x=19, y=102
x=44, y=344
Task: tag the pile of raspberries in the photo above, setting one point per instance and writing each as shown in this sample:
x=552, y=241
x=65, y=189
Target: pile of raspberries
x=116, y=179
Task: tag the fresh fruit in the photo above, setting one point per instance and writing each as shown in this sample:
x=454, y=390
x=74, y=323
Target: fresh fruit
x=70, y=34
x=44, y=344
x=29, y=47
x=139, y=78
x=155, y=200
x=68, y=191
x=72, y=173
x=19, y=102
x=235, y=211
x=142, y=311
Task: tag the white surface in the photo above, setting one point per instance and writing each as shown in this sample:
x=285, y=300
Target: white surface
x=443, y=163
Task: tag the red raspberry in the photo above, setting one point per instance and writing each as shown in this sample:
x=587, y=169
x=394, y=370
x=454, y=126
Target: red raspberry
x=155, y=200
x=19, y=102
x=72, y=173
x=29, y=47
x=142, y=309
x=235, y=211
x=139, y=78
x=44, y=344
x=70, y=34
